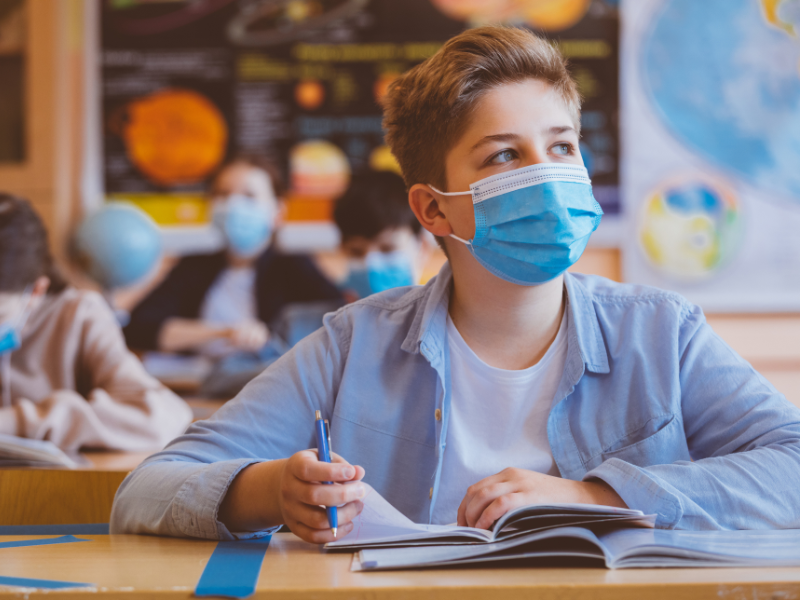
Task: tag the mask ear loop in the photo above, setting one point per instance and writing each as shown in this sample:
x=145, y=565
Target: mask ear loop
x=453, y=235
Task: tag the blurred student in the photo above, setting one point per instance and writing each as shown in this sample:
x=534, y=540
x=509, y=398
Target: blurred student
x=66, y=374
x=221, y=303
x=381, y=237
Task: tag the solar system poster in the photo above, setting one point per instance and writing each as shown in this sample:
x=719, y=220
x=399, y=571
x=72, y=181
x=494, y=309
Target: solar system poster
x=712, y=136
x=189, y=83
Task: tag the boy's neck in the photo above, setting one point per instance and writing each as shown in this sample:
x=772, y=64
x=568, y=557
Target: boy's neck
x=508, y=326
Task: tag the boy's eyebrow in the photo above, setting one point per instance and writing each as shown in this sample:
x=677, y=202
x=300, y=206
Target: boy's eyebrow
x=511, y=137
x=498, y=137
x=558, y=130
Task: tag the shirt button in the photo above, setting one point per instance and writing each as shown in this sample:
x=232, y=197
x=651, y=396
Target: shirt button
x=430, y=494
x=438, y=414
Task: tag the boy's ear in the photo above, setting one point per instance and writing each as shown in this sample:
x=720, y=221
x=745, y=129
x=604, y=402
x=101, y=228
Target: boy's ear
x=427, y=209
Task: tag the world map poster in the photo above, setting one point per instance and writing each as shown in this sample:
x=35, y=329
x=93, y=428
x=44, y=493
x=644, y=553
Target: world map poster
x=711, y=137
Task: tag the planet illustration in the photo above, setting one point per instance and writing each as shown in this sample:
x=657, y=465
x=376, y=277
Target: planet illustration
x=318, y=169
x=174, y=136
x=547, y=15
x=309, y=94
x=691, y=229
x=554, y=15
x=382, y=159
x=479, y=12
x=784, y=14
x=382, y=84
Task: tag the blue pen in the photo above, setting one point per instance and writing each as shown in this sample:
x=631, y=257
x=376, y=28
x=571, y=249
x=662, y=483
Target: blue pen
x=324, y=448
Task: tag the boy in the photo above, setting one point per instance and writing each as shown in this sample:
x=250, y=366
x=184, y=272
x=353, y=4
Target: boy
x=502, y=382
x=381, y=237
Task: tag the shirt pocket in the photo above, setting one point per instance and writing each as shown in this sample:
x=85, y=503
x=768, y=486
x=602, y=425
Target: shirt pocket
x=661, y=441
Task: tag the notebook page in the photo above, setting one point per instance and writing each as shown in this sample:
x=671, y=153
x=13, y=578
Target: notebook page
x=381, y=523
x=656, y=548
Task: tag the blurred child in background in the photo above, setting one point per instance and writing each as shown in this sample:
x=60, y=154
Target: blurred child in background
x=221, y=303
x=66, y=374
x=381, y=238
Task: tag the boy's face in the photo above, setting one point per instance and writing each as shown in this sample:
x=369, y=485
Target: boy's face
x=514, y=125
x=241, y=179
x=388, y=240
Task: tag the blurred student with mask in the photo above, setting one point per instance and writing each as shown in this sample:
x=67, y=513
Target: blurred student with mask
x=65, y=372
x=221, y=303
x=381, y=238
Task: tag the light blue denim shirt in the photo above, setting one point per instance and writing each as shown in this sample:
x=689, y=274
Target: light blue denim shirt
x=651, y=401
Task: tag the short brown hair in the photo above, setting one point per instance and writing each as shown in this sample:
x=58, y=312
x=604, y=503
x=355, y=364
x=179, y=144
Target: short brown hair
x=258, y=161
x=427, y=109
x=24, y=249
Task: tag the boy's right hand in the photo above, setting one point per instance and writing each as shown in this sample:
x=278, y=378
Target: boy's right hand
x=302, y=496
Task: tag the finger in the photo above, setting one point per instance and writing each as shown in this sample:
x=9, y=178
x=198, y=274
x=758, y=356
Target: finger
x=472, y=490
x=483, y=498
x=313, y=470
x=320, y=494
x=360, y=472
x=315, y=517
x=498, y=508
x=319, y=536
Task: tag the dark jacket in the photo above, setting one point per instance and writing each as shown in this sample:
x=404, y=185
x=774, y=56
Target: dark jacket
x=281, y=279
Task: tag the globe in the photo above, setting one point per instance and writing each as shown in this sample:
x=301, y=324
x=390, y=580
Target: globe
x=117, y=245
x=691, y=229
x=724, y=77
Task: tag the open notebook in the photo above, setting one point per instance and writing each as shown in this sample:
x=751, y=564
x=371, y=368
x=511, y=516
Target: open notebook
x=16, y=451
x=617, y=538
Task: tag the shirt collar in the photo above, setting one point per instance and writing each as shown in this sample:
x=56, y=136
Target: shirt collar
x=429, y=328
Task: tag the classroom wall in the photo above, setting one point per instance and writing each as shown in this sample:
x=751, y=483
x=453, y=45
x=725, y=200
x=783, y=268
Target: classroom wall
x=51, y=177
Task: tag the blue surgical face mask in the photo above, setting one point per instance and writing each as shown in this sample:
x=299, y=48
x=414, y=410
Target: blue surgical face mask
x=245, y=223
x=378, y=272
x=9, y=338
x=533, y=223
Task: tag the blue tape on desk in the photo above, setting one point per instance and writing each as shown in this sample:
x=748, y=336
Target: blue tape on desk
x=41, y=583
x=64, y=539
x=232, y=571
x=76, y=529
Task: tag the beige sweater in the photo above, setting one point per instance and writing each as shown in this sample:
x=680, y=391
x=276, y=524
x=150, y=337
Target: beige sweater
x=74, y=382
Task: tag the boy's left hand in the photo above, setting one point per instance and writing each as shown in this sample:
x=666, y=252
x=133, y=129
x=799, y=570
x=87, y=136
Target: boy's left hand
x=491, y=498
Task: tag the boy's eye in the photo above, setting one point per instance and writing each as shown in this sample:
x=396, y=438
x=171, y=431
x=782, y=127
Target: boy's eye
x=502, y=157
x=562, y=149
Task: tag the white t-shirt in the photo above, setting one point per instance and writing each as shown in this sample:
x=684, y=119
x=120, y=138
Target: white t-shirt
x=498, y=419
x=230, y=300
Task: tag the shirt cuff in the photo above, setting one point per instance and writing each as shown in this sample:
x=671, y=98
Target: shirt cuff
x=640, y=491
x=197, y=502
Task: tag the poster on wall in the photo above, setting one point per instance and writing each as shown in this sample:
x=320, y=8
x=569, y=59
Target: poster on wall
x=13, y=34
x=188, y=84
x=711, y=129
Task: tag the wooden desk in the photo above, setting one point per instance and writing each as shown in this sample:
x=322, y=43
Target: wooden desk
x=62, y=496
x=124, y=566
x=42, y=496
